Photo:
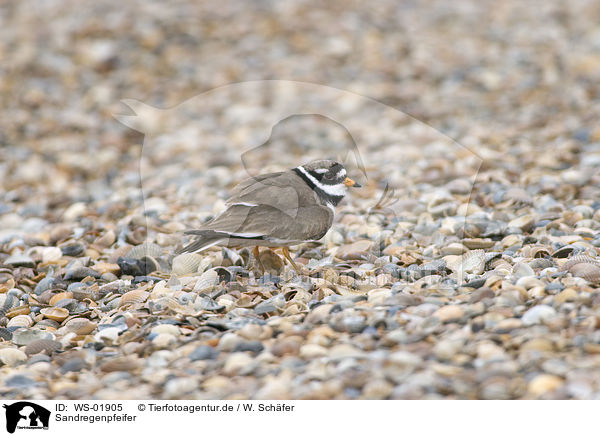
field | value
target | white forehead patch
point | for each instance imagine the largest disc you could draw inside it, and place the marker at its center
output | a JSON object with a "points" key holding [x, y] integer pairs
{"points": [[341, 174]]}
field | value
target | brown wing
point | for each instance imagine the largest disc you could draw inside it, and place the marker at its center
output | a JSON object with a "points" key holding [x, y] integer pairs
{"points": [[284, 191], [309, 223]]}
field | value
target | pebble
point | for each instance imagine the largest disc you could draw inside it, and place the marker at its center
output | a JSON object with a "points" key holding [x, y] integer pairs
{"points": [[203, 352], [544, 383], [449, 313], [538, 314]]}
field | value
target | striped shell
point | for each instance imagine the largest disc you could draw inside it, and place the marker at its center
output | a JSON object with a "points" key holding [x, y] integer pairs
{"points": [[206, 281], [58, 314], [48, 324], [470, 262], [588, 271], [47, 346], [186, 263], [21, 310], [60, 296], [145, 249], [80, 326], [133, 297], [20, 321], [5, 334], [7, 302], [579, 259], [12, 356]]}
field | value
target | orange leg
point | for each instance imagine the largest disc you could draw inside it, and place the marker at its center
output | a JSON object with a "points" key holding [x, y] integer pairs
{"points": [[257, 257], [286, 254]]}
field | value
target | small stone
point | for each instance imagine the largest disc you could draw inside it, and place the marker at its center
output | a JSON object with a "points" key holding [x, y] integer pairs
{"points": [[568, 294], [356, 250], [252, 346], [229, 341], [289, 345], [489, 350], [449, 313], [377, 389], [75, 364], [524, 223], [51, 254], [543, 384], [12, 356], [448, 348], [538, 314], [164, 340], [17, 260], [311, 351], [238, 363], [203, 352], [538, 344]]}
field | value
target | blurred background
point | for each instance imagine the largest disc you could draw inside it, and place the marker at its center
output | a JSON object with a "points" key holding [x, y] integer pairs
{"points": [[488, 74]]}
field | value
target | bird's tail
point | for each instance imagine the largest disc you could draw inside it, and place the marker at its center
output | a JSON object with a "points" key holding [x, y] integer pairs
{"points": [[206, 239]]}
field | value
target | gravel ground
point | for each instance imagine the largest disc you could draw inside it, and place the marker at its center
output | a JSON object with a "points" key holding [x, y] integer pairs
{"points": [[475, 277]]}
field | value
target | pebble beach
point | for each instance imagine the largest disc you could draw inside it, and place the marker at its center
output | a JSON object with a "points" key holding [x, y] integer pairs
{"points": [[466, 267]]}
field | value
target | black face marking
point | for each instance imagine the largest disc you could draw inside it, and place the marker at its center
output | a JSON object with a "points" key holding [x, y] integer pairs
{"points": [[323, 196], [330, 177]]}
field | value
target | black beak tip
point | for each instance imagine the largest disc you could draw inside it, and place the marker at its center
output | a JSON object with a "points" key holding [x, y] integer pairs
{"points": [[357, 185]]}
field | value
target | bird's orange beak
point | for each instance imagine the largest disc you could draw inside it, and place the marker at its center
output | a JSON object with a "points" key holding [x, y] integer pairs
{"points": [[351, 183]]}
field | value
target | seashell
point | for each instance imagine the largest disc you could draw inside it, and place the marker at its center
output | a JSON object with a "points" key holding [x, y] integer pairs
{"points": [[206, 281], [5, 334], [207, 303], [48, 324], [563, 252], [524, 223], [133, 297], [470, 262], [535, 251], [58, 314], [105, 267], [80, 326], [47, 346], [81, 293], [51, 254], [149, 264], [588, 271], [186, 263], [44, 285], [17, 260], [8, 302], [521, 269], [20, 310], [80, 273], [146, 249], [473, 243], [541, 263], [575, 260], [12, 356], [119, 252], [60, 296], [70, 304], [20, 321], [27, 335], [106, 240]]}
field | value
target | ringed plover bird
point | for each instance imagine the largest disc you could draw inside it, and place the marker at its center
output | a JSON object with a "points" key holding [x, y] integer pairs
{"points": [[277, 210]]}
